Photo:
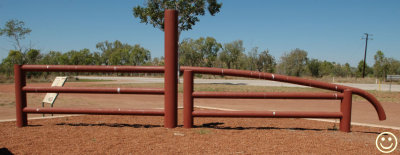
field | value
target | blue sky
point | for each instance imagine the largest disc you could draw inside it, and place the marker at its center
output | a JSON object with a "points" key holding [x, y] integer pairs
{"points": [[328, 30]]}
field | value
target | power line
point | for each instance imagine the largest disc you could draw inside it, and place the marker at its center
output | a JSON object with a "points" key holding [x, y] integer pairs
{"points": [[365, 52]]}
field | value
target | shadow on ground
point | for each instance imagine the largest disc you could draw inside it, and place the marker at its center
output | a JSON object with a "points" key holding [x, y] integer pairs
{"points": [[35, 125], [216, 125], [5, 151], [212, 125]]}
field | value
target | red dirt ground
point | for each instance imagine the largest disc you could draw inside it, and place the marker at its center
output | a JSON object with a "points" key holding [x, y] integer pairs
{"points": [[144, 135]]}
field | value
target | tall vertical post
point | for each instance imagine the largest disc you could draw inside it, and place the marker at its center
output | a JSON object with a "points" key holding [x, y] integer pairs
{"points": [[187, 99], [365, 54], [20, 97], [171, 64], [345, 108]]}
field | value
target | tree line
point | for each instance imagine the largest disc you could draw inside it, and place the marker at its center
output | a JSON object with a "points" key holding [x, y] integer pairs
{"points": [[205, 52], [202, 52]]}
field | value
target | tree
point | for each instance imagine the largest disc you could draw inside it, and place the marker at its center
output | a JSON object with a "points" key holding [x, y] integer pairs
{"points": [[97, 59], [119, 57], [266, 62], [117, 53], [368, 70], [339, 70], [326, 68], [158, 61], [107, 49], [252, 57], [394, 66], [33, 56], [189, 53], [209, 48], [381, 65], [294, 63], [200, 52], [52, 58], [73, 57], [189, 10], [348, 70], [139, 55], [314, 66], [231, 53], [15, 30], [14, 57]]}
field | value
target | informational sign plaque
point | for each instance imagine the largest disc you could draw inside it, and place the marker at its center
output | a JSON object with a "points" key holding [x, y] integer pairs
{"points": [[51, 97]]}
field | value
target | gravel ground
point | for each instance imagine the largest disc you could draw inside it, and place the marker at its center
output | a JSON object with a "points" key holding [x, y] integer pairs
{"points": [[96, 134]]}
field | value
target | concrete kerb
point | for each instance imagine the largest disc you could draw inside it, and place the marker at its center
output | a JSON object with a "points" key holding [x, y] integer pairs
{"points": [[36, 118]]}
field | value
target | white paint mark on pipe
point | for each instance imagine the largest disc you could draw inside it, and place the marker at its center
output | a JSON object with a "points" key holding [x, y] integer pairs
{"points": [[273, 77], [118, 90]]}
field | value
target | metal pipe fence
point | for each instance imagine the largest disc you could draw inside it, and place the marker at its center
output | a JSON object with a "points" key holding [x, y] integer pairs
{"points": [[344, 94]]}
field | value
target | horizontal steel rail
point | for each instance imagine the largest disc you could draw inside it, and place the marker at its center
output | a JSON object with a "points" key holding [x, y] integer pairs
{"points": [[21, 90], [267, 95], [289, 79], [95, 90], [266, 114], [85, 68], [146, 112]]}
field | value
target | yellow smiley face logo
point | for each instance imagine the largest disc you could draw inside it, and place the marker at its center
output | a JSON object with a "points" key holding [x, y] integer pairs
{"points": [[386, 142]]}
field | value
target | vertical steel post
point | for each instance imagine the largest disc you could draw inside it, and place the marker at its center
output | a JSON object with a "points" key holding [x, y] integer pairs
{"points": [[20, 97], [187, 99], [345, 108], [171, 64]]}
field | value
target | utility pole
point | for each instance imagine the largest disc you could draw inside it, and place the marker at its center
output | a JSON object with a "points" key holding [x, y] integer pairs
{"points": [[365, 52]]}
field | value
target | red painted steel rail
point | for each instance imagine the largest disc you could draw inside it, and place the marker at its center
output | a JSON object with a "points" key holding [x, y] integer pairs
{"points": [[93, 90], [86, 68], [144, 112], [267, 114], [21, 90], [267, 95], [344, 94]]}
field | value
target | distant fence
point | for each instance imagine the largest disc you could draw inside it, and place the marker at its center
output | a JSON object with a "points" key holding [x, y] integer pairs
{"points": [[392, 78]]}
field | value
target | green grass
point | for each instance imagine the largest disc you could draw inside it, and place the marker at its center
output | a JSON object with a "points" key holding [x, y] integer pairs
{"points": [[203, 131], [7, 104]]}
